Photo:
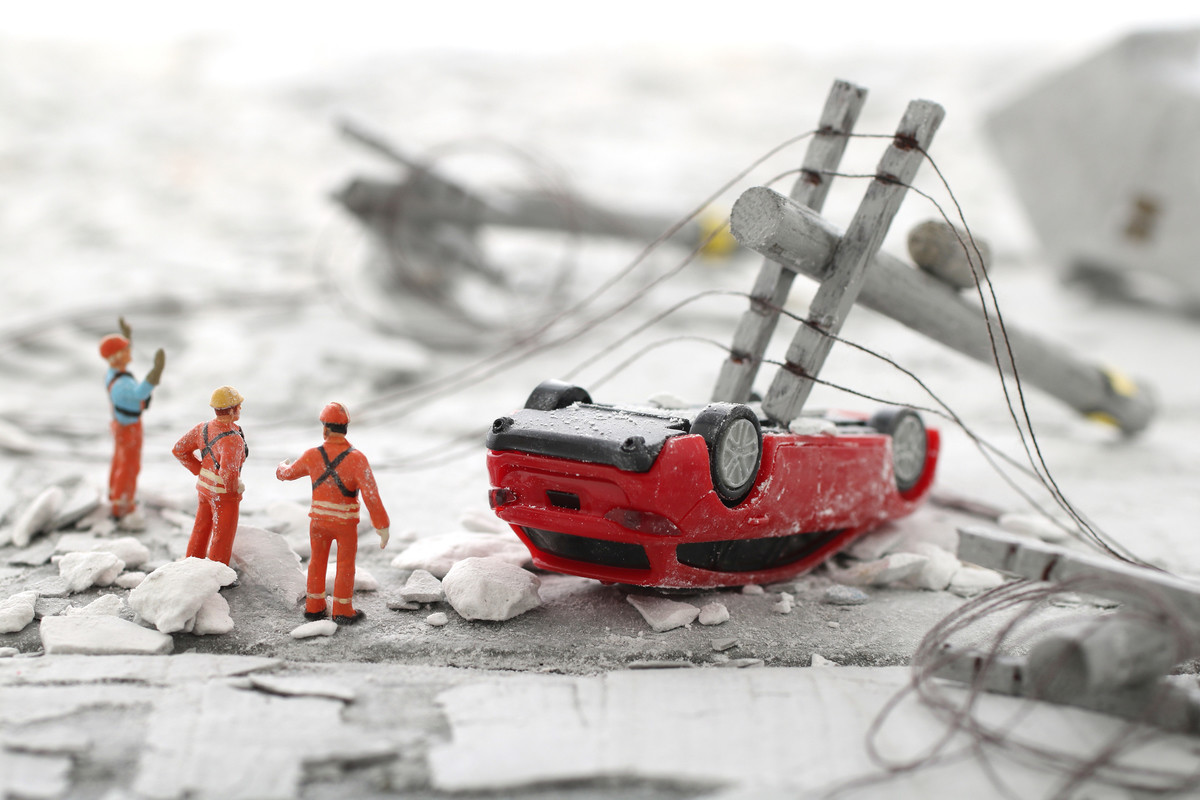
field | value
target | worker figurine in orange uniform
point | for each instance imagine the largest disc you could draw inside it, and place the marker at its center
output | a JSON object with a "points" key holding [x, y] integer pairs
{"points": [[218, 468], [129, 398], [338, 473]]}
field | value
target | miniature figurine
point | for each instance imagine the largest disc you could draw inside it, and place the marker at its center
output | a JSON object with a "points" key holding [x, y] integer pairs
{"points": [[223, 450], [339, 473], [129, 398]]}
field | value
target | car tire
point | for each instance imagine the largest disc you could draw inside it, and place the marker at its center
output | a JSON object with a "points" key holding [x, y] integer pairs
{"points": [[734, 439], [910, 444], [554, 394]]}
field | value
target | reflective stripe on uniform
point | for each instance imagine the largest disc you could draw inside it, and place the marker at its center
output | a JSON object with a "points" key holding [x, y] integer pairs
{"points": [[321, 508], [207, 479], [345, 600], [319, 596]]}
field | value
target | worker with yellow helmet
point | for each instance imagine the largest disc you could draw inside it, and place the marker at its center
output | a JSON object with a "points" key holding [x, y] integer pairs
{"points": [[222, 450]]}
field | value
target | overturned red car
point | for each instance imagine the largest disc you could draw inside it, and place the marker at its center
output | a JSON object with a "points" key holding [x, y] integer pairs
{"points": [[707, 496]]}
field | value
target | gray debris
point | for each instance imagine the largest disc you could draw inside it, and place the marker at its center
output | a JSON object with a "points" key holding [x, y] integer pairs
{"points": [[437, 619], [34, 555], [422, 587], [819, 660], [100, 635], [784, 606], [839, 595], [107, 605], [713, 614], [265, 559], [742, 663], [663, 614], [172, 595], [721, 645], [939, 567]]}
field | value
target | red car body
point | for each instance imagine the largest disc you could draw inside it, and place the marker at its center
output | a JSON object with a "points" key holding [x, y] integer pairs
{"points": [[660, 522]]}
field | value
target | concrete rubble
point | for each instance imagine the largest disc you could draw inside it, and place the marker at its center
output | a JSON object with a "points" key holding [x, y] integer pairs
{"points": [[17, 611], [490, 589], [265, 559], [172, 595], [437, 554], [84, 570], [422, 587], [101, 635], [663, 614]]}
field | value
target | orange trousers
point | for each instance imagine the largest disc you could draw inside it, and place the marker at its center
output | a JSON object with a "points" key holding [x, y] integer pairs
{"points": [[216, 525], [322, 534], [126, 464]]}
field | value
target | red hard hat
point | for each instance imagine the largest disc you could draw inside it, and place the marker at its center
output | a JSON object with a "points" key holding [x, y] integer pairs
{"points": [[112, 344], [335, 414]]}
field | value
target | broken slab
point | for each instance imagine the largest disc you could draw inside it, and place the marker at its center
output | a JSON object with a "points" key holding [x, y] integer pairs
{"points": [[490, 589], [36, 517], [83, 570], [663, 614], [422, 587], [172, 595], [437, 554], [101, 635], [106, 605], [265, 559]]}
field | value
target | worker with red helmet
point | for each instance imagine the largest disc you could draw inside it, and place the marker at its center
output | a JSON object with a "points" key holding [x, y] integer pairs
{"points": [[218, 469], [339, 473], [129, 397]]}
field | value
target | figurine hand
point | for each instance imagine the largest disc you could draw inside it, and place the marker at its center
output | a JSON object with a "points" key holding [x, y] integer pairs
{"points": [[126, 331], [383, 537], [155, 375], [287, 462], [241, 486]]}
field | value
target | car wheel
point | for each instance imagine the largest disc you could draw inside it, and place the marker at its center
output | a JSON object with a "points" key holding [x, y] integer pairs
{"points": [[909, 443], [734, 441], [554, 394]]}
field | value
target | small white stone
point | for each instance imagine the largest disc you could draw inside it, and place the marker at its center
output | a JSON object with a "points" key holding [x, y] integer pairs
{"points": [[833, 624], [320, 627], [940, 566], [753, 588], [84, 570], [422, 587], [17, 611], [819, 660], [108, 605], [970, 581], [784, 606], [839, 595], [8, 652], [490, 589], [213, 616], [364, 581], [663, 614], [713, 614], [92, 635], [437, 619], [127, 548], [130, 580]]}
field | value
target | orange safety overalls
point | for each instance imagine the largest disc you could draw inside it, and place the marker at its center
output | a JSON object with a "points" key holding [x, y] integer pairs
{"points": [[127, 442], [223, 450], [339, 473]]}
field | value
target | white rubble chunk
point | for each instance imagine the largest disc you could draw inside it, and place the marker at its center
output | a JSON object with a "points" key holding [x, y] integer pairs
{"points": [[490, 589], [265, 559], [130, 580], [753, 588], [784, 606], [1033, 525], [812, 426], [126, 548], [819, 660], [320, 627], [422, 587], [364, 581], [885, 571], [437, 554], [213, 617], [840, 595], [172, 595], [8, 652], [101, 635], [971, 580], [17, 611], [106, 605], [663, 614], [81, 500], [940, 566], [34, 555], [84, 570], [36, 517], [713, 614], [480, 521], [437, 619]]}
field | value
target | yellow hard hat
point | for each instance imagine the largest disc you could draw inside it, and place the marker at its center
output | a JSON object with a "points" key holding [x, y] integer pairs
{"points": [[225, 397]]}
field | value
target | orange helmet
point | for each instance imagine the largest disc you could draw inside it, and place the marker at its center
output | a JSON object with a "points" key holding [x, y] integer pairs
{"points": [[112, 344], [335, 414]]}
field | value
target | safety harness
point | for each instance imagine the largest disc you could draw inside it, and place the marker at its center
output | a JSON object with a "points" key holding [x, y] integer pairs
{"points": [[331, 471], [215, 483], [336, 511]]}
